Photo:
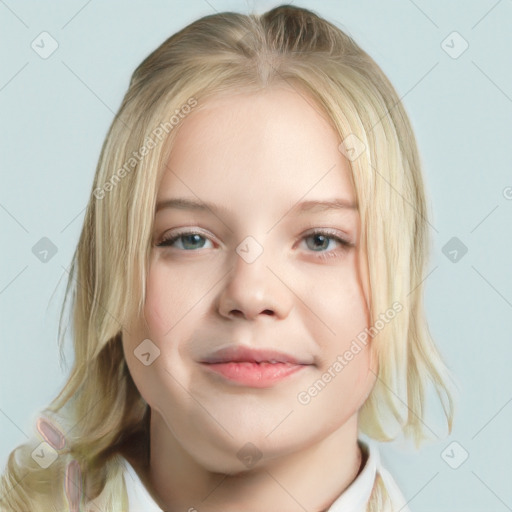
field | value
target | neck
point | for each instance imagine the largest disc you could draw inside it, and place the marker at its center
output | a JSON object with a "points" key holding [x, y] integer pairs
{"points": [[309, 479]]}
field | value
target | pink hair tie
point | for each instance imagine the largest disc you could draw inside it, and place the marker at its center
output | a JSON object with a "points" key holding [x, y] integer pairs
{"points": [[51, 434], [73, 485]]}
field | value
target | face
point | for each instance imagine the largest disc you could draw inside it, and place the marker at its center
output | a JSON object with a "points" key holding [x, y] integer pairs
{"points": [[261, 273]]}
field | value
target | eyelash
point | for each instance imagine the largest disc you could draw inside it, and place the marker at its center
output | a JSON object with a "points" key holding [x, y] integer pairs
{"points": [[345, 244]]}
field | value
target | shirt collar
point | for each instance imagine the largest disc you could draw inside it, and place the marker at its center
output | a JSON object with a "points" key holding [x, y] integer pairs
{"points": [[356, 496]]}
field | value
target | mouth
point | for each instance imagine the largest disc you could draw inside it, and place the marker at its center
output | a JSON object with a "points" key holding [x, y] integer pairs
{"points": [[255, 375], [241, 354], [253, 368]]}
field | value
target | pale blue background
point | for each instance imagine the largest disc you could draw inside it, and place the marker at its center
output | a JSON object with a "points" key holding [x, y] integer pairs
{"points": [[55, 114]]}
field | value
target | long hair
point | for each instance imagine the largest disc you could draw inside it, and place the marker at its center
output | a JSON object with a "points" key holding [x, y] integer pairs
{"points": [[99, 414]]}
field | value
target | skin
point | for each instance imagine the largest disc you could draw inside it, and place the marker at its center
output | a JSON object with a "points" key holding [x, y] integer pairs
{"points": [[256, 155]]}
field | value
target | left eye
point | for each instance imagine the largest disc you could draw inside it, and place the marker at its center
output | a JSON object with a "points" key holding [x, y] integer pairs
{"points": [[322, 239]]}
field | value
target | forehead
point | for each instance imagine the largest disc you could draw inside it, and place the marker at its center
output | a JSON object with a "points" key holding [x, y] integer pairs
{"points": [[277, 139]]}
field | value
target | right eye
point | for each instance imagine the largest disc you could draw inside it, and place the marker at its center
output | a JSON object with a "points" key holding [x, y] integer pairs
{"points": [[190, 240]]}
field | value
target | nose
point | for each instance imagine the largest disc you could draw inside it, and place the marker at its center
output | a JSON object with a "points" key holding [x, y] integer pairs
{"points": [[253, 289]]}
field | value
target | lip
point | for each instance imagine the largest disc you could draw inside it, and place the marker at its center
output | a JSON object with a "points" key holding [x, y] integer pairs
{"points": [[254, 375], [257, 368], [242, 354]]}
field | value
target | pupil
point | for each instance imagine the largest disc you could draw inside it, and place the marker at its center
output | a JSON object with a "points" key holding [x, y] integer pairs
{"points": [[323, 240], [194, 238]]}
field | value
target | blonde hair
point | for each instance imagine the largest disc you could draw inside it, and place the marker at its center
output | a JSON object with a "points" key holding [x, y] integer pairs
{"points": [[100, 409]]}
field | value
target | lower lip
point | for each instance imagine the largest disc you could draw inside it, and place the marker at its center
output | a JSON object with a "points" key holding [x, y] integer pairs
{"points": [[256, 375]]}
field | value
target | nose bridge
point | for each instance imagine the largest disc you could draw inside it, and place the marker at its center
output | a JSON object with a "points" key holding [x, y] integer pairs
{"points": [[251, 250], [250, 264], [252, 288]]}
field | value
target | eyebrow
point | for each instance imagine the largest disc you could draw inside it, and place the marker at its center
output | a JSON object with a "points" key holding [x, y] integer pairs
{"points": [[182, 203]]}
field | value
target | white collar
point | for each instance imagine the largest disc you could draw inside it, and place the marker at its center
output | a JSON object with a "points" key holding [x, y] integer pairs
{"points": [[353, 499]]}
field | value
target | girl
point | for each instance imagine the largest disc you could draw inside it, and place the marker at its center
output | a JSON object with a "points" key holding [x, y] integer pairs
{"points": [[247, 292]]}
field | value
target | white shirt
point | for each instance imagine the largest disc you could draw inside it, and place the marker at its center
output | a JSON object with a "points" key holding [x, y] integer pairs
{"points": [[353, 499]]}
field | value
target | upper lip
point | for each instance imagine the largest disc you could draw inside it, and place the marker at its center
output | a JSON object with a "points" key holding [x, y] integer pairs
{"points": [[238, 354]]}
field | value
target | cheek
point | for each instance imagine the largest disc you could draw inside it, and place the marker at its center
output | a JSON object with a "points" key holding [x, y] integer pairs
{"points": [[345, 345], [341, 310], [157, 321], [174, 296], [154, 325], [167, 300], [343, 382]]}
